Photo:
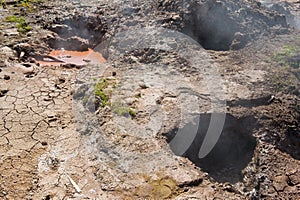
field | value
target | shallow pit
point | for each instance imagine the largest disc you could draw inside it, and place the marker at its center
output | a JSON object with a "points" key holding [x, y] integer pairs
{"points": [[74, 42], [231, 154]]}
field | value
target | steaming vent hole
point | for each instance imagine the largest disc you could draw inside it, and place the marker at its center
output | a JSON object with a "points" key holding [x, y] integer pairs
{"points": [[213, 28], [231, 154], [77, 33], [222, 26]]}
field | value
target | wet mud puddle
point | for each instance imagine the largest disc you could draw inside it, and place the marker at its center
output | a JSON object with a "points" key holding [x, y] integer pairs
{"points": [[58, 57]]}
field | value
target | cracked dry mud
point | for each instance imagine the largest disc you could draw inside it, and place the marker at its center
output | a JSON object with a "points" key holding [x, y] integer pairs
{"points": [[56, 142], [37, 117], [34, 111]]}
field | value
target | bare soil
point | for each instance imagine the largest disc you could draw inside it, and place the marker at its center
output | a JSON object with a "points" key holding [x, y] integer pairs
{"points": [[58, 140]]}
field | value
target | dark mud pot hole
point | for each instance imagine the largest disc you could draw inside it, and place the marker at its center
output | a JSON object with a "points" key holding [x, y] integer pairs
{"points": [[231, 154], [212, 28], [77, 33]]}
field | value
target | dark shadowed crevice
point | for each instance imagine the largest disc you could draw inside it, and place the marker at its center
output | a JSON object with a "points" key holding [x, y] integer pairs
{"points": [[291, 143], [250, 103], [232, 153]]}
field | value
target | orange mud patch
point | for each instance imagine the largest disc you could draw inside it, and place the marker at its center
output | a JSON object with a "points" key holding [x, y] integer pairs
{"points": [[58, 57]]}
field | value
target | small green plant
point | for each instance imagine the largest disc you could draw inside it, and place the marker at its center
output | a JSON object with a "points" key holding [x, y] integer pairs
{"points": [[289, 51], [103, 90], [121, 109], [12, 18], [132, 112], [286, 55], [28, 3], [283, 82], [25, 4], [22, 25], [99, 91], [21, 3]]}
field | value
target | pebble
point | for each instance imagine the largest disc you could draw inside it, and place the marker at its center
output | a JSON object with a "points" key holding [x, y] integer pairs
{"points": [[280, 182], [11, 32], [7, 51]]}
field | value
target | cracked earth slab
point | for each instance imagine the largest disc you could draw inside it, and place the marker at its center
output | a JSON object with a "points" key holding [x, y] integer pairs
{"points": [[33, 110]]}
